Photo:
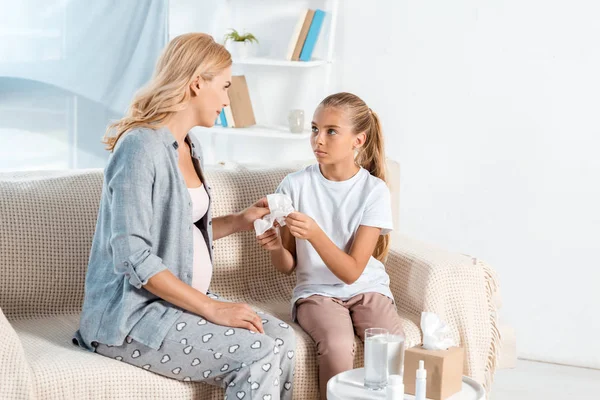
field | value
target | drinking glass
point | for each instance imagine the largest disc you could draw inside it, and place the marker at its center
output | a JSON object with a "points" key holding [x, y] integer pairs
{"points": [[395, 354], [376, 360]]}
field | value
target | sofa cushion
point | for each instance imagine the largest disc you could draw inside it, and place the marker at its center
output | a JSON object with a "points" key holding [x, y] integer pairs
{"points": [[62, 370], [47, 221]]}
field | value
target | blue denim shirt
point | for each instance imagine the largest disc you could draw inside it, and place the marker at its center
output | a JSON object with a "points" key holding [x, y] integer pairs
{"points": [[144, 226]]}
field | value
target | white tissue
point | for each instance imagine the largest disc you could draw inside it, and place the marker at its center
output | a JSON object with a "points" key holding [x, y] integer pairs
{"points": [[280, 206], [435, 332]]}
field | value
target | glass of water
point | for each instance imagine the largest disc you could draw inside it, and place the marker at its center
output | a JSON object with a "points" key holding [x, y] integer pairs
{"points": [[396, 354], [376, 359]]}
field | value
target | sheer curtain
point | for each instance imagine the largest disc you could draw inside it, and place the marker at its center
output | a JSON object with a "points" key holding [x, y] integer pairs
{"points": [[69, 66]]}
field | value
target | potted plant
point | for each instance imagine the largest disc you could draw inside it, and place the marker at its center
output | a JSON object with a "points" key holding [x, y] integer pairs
{"points": [[239, 45]]}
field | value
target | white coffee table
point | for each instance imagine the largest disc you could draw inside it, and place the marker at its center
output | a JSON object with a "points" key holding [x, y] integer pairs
{"points": [[349, 385]]}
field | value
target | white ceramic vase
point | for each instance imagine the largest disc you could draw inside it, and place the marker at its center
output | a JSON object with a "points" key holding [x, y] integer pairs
{"points": [[239, 50]]}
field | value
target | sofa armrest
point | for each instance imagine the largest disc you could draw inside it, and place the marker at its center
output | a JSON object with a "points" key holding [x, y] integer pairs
{"points": [[459, 288], [15, 375]]}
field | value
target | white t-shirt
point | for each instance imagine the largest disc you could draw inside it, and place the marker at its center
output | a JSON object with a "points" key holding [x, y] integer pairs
{"points": [[339, 208]]}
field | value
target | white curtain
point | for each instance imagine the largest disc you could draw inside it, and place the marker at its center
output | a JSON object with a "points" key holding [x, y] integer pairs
{"points": [[103, 50]]}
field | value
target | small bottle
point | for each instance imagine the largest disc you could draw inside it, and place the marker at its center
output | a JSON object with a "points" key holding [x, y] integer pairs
{"points": [[421, 382], [395, 388]]}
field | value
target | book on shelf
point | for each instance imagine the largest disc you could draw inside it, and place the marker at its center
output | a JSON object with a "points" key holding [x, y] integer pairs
{"points": [[240, 104], [221, 120], [229, 120], [299, 35], [312, 36]]}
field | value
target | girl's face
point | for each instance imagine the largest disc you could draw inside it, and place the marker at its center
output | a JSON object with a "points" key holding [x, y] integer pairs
{"points": [[333, 139], [209, 97]]}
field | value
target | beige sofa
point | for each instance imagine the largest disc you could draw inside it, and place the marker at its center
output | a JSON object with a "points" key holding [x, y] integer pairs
{"points": [[47, 221]]}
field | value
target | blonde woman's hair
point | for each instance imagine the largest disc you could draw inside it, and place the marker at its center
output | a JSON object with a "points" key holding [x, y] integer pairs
{"points": [[185, 58], [371, 156]]}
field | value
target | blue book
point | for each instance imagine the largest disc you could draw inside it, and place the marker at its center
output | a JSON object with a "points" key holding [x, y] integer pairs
{"points": [[312, 36], [223, 119]]}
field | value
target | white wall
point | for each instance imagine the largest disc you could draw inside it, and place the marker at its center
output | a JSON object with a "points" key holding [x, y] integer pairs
{"points": [[491, 108]]}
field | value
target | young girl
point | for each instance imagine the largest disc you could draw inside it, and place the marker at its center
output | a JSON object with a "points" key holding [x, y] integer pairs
{"points": [[339, 235]]}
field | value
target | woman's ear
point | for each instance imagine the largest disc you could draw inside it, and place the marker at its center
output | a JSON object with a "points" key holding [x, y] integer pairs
{"points": [[359, 140], [196, 85]]}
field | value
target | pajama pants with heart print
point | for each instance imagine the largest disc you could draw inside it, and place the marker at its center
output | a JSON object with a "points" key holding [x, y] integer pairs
{"points": [[248, 365]]}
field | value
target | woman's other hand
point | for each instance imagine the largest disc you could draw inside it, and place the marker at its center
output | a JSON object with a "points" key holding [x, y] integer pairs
{"points": [[235, 315]]}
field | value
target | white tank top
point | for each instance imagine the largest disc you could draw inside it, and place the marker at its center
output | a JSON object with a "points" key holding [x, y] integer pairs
{"points": [[202, 267]]}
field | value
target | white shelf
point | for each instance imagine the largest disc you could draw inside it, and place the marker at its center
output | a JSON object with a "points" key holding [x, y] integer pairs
{"points": [[274, 132], [274, 62]]}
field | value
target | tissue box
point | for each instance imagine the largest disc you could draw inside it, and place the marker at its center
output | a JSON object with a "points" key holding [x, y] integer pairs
{"points": [[444, 371]]}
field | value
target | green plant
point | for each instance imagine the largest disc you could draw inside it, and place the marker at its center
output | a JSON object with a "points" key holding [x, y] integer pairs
{"points": [[235, 36]]}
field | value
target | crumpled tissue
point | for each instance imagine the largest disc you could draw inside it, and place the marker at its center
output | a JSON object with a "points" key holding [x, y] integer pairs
{"points": [[435, 332], [280, 206]]}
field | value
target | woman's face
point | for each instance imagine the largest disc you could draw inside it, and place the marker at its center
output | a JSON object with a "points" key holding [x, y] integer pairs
{"points": [[209, 97]]}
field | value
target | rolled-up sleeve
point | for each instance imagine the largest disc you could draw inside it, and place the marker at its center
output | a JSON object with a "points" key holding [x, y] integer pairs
{"points": [[129, 179]]}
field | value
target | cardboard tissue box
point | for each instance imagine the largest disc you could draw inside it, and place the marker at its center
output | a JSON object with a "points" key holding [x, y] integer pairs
{"points": [[444, 371], [443, 360]]}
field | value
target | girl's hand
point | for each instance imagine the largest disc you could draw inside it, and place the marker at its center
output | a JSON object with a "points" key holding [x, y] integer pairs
{"points": [[270, 240], [235, 315], [302, 226], [246, 218]]}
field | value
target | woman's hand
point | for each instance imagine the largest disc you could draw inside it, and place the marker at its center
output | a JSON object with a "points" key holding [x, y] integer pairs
{"points": [[302, 226], [246, 218], [235, 315], [170, 288], [270, 240]]}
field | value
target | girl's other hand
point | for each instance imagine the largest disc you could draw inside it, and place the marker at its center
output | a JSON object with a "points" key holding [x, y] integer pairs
{"points": [[302, 226]]}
